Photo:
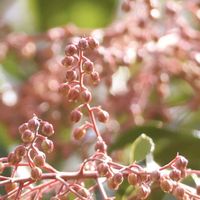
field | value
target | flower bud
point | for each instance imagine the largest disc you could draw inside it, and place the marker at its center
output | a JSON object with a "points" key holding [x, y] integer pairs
{"points": [[47, 129], [86, 96], [92, 43], [175, 174], [95, 77], [33, 124], [68, 61], [73, 95], [133, 179], [166, 185], [13, 159], [101, 146], [102, 169], [75, 116], [111, 184], [179, 192], [83, 44], [27, 136], [155, 175], [71, 75], [79, 133], [88, 66], [23, 127], [20, 151], [181, 162], [64, 88], [36, 173], [70, 50], [118, 178], [39, 160], [102, 116], [47, 146]]}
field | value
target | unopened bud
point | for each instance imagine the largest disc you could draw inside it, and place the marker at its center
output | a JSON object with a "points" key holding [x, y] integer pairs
{"points": [[47, 146], [79, 133], [75, 116], [101, 146], [111, 184], [36, 173], [118, 178], [102, 116], [70, 49], [102, 169], [166, 185], [86, 96], [95, 77], [23, 127], [175, 174], [133, 179], [33, 124], [83, 44], [88, 66], [27, 136], [68, 61], [73, 95], [47, 129], [64, 88], [179, 192], [20, 151], [92, 43], [39, 160], [71, 75], [181, 162]]}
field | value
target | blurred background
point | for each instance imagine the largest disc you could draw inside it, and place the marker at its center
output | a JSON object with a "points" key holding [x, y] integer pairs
{"points": [[149, 62]]}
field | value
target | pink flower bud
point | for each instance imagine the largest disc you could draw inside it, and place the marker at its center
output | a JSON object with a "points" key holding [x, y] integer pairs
{"points": [[102, 116], [83, 44], [70, 50], [68, 61], [95, 78], [36, 173], [47, 146], [73, 95], [27, 136], [79, 133], [92, 43], [71, 75], [75, 116], [88, 66], [47, 129], [86, 96], [33, 124]]}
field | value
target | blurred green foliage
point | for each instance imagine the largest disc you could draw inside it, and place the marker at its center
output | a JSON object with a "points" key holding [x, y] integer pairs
{"points": [[83, 13]]}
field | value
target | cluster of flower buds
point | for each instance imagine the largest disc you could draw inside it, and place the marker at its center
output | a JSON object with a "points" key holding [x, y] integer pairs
{"points": [[99, 166], [80, 68], [32, 153]]}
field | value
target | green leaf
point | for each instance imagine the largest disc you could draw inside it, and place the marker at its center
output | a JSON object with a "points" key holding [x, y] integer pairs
{"points": [[85, 13], [140, 148], [167, 143]]}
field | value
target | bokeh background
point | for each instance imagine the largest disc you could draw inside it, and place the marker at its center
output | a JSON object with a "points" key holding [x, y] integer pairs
{"points": [[149, 64]]}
